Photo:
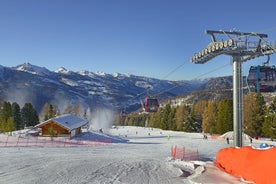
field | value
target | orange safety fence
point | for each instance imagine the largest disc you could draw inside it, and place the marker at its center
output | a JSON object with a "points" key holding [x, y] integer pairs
{"points": [[251, 164], [29, 141], [183, 153]]}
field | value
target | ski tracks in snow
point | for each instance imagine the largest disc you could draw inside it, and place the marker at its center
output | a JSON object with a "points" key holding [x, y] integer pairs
{"points": [[131, 171]]}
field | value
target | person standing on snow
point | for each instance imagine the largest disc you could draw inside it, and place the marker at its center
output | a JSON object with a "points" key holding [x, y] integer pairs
{"points": [[227, 140]]}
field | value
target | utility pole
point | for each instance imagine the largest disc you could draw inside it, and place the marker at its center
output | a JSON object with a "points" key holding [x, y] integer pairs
{"points": [[241, 47]]}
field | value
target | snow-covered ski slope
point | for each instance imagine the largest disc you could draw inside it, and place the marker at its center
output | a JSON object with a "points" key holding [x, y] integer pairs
{"points": [[137, 155]]}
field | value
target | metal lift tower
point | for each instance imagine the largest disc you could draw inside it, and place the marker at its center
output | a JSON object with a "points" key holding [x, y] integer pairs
{"points": [[241, 47]]}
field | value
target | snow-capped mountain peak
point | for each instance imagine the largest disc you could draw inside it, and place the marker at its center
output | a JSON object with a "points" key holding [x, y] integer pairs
{"points": [[115, 74], [100, 73], [62, 70], [119, 75], [36, 70], [86, 73], [90, 89]]}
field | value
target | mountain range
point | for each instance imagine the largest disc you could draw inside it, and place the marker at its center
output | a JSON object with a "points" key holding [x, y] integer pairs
{"points": [[38, 85]]}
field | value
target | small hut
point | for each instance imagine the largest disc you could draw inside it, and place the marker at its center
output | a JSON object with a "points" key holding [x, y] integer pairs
{"points": [[64, 125]]}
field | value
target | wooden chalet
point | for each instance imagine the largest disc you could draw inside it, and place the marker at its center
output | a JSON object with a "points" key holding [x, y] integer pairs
{"points": [[64, 125]]}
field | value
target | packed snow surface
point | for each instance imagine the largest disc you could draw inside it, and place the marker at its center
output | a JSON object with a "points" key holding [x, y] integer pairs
{"points": [[136, 155]]}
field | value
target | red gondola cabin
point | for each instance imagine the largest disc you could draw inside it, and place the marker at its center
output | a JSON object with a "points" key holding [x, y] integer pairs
{"points": [[150, 104]]}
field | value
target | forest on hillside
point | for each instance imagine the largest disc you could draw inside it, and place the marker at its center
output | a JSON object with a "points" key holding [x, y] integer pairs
{"points": [[209, 116]]}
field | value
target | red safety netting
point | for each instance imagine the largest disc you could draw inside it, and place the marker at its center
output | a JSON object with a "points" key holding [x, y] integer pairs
{"points": [[183, 153], [29, 141]]}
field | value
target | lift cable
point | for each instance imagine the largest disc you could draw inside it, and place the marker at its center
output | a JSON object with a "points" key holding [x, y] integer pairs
{"points": [[174, 70], [166, 76], [198, 77], [181, 65]]}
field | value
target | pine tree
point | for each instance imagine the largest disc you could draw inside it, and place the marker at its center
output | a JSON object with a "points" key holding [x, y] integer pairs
{"points": [[209, 118], [198, 109], [3, 124], [269, 125], [51, 112], [166, 119], [29, 115], [6, 112], [194, 125], [171, 119], [180, 116], [5, 117], [254, 108], [225, 116], [16, 114], [130, 121], [156, 119], [10, 125], [48, 111], [160, 121], [185, 119]]}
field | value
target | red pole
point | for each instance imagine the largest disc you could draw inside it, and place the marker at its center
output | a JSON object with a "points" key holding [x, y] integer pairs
{"points": [[174, 152], [183, 153]]}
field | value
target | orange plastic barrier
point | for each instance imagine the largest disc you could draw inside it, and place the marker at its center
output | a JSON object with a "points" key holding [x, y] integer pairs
{"points": [[251, 164]]}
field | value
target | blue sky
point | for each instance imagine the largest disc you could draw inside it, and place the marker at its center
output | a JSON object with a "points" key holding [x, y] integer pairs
{"points": [[141, 37]]}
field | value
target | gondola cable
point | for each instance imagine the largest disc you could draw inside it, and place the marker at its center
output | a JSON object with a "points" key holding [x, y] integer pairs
{"points": [[150, 99], [151, 103], [172, 71], [198, 77], [178, 67]]}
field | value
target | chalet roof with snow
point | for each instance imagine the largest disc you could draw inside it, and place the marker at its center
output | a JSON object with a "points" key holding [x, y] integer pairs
{"points": [[67, 121]]}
